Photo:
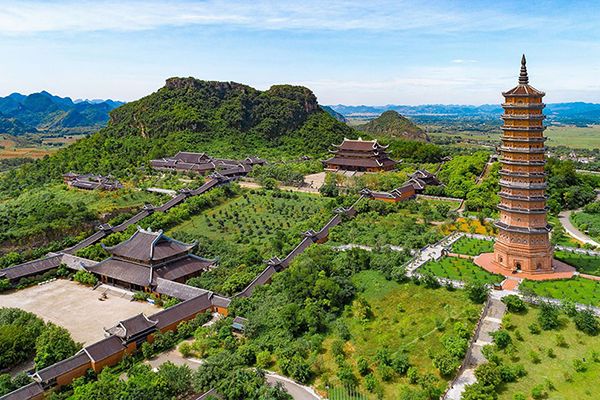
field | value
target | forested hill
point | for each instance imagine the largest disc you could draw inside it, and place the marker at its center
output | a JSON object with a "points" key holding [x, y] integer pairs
{"points": [[220, 118], [390, 124]]}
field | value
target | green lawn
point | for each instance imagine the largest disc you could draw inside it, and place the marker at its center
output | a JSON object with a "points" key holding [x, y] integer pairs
{"points": [[460, 269], [583, 262], [404, 316], [579, 290], [472, 247], [264, 220], [559, 370]]}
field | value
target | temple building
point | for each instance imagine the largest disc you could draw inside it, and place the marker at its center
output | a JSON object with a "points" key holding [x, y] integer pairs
{"points": [[139, 262], [360, 155], [523, 242], [91, 181], [201, 163]]}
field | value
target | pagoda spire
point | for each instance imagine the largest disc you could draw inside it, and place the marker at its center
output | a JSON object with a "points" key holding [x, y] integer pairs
{"points": [[523, 77]]}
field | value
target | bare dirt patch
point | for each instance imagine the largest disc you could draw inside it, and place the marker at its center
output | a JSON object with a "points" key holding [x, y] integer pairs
{"points": [[75, 307]]}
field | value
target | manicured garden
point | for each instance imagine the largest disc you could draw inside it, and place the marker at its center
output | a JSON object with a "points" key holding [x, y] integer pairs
{"points": [[388, 327], [403, 224], [270, 221], [543, 353], [472, 247], [459, 269], [579, 290], [584, 263]]}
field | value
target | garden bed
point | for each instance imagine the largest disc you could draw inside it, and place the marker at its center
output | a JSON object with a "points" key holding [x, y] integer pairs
{"points": [[579, 290], [472, 247], [460, 269]]}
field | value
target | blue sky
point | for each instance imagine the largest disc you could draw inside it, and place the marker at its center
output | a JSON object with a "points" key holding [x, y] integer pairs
{"points": [[350, 52]]}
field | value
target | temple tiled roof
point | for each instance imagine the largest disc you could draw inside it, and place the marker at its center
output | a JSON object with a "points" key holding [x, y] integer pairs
{"points": [[183, 267], [149, 246], [124, 271], [360, 145], [62, 367], [133, 326], [104, 348], [182, 311], [24, 393]]}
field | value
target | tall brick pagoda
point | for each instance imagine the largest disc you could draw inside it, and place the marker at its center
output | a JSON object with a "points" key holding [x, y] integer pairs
{"points": [[523, 242]]}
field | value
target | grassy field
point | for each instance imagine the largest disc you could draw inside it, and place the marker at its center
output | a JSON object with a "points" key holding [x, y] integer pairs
{"points": [[558, 369], [579, 290], [9, 148], [574, 137], [469, 225], [404, 317], [568, 136], [272, 224], [460, 269], [472, 247], [583, 262]]}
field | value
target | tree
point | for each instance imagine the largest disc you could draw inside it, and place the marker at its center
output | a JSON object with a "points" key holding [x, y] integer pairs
{"points": [[514, 303], [488, 374], [477, 292], [502, 338], [53, 345], [548, 316], [587, 322], [445, 363], [178, 379], [479, 391]]}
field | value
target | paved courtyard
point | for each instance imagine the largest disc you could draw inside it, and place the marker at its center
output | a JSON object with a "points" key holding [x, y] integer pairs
{"points": [[75, 307]]}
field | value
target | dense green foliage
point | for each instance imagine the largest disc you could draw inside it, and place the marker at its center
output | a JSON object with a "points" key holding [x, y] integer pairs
{"points": [[18, 333], [567, 189], [24, 336], [223, 119], [53, 345]]}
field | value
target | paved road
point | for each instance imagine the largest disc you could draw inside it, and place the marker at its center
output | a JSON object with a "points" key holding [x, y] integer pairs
{"points": [[298, 392], [572, 229]]}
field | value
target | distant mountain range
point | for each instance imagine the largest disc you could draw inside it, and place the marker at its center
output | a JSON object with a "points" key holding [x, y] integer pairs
{"points": [[577, 113], [44, 112]]}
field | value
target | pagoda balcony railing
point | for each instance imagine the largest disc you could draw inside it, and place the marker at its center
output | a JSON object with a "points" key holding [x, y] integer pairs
{"points": [[522, 162], [523, 117], [524, 106], [523, 128], [524, 139], [522, 198], [504, 207], [533, 150], [520, 185], [517, 174], [521, 229]]}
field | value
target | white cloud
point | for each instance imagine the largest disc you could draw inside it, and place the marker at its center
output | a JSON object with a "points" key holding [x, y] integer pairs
{"points": [[461, 61], [31, 16]]}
